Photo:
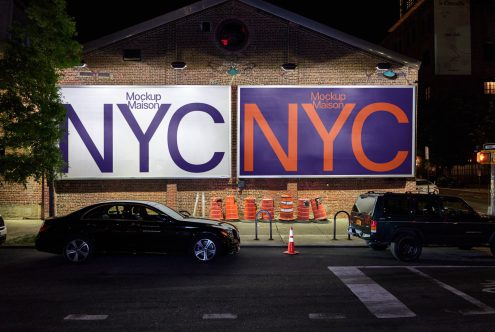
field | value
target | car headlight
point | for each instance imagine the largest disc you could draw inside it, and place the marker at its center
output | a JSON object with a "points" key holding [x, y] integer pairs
{"points": [[225, 233]]}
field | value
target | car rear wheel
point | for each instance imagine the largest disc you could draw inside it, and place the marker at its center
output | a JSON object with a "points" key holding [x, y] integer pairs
{"points": [[205, 248], [78, 250], [406, 248]]}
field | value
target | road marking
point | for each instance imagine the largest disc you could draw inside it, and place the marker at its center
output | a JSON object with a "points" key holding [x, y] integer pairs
{"points": [[220, 316], [418, 266], [85, 317], [326, 316], [377, 299], [485, 309]]}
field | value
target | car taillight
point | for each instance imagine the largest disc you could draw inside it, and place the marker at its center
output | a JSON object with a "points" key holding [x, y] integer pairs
{"points": [[373, 226]]}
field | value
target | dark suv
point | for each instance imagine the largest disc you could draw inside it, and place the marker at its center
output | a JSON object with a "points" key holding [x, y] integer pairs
{"points": [[407, 222]]}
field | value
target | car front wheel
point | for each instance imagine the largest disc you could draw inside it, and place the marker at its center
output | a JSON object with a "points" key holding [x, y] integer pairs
{"points": [[205, 248], [406, 248], [78, 250]]}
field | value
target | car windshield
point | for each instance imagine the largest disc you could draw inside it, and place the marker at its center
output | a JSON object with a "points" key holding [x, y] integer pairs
{"points": [[169, 211], [423, 182]]}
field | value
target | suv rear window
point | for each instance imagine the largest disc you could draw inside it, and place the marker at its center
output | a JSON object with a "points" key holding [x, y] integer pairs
{"points": [[365, 204]]}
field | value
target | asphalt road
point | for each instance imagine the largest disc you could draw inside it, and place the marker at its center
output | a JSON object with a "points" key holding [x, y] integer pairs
{"points": [[261, 289]]}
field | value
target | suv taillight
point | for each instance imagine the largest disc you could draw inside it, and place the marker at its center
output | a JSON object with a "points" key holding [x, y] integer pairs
{"points": [[373, 226]]}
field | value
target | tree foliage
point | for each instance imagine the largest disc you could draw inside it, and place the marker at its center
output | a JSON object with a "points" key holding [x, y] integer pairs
{"points": [[30, 108]]}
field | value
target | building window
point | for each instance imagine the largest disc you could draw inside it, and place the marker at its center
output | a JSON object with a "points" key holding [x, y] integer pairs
{"points": [[489, 88], [232, 35], [132, 55], [489, 51], [428, 93], [425, 59], [205, 26]]}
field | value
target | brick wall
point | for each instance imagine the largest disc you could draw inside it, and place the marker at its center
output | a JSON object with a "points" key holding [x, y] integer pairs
{"points": [[17, 201], [272, 42]]}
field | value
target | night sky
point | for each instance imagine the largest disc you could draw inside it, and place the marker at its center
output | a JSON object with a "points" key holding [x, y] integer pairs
{"points": [[368, 20]]}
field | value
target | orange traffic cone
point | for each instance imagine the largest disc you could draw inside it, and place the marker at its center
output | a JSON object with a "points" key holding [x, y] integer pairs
{"points": [[290, 247]]}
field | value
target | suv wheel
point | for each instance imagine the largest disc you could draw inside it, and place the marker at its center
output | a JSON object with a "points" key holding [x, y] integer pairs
{"points": [[406, 248]]}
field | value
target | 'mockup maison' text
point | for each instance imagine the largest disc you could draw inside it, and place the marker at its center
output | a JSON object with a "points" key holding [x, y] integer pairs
{"points": [[143, 101], [328, 100]]}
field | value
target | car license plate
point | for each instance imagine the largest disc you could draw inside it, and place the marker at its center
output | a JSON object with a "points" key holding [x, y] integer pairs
{"points": [[358, 222]]}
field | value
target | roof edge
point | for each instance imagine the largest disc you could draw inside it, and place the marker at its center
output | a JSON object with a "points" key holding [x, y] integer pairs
{"points": [[150, 24], [262, 5], [334, 33]]}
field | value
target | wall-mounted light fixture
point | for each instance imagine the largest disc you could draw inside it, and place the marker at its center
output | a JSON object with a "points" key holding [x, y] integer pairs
{"points": [[232, 71], [289, 66], [383, 66], [386, 69], [390, 74], [178, 65], [82, 64]]}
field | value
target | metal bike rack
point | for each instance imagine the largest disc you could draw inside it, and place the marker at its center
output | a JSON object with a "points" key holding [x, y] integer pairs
{"points": [[256, 224], [335, 224]]}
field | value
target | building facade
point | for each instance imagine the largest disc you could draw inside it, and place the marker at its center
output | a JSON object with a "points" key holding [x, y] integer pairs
{"points": [[455, 41], [247, 48]]}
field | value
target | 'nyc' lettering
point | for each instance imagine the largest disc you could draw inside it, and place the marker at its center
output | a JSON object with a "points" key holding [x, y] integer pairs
{"points": [[105, 161], [289, 159]]}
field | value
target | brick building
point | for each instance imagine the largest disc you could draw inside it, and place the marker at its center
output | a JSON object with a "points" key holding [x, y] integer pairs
{"points": [[233, 43]]}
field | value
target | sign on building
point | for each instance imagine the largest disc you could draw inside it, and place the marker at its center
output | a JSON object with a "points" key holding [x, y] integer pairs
{"points": [[147, 132], [340, 131], [452, 37]]}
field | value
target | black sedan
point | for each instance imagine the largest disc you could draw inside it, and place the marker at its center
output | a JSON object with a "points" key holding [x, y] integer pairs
{"points": [[135, 226]]}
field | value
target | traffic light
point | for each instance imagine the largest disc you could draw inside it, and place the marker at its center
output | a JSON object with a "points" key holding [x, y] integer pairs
{"points": [[484, 157]]}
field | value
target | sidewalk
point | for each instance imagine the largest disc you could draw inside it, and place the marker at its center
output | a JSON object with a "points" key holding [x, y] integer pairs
{"points": [[21, 233]]}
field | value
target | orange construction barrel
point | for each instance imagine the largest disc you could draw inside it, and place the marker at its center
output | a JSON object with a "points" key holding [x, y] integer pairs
{"points": [[249, 208], [267, 204], [319, 211], [231, 209], [286, 208], [216, 208], [303, 209]]}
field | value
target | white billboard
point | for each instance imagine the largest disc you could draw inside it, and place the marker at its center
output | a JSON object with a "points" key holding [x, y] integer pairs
{"points": [[146, 132]]}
